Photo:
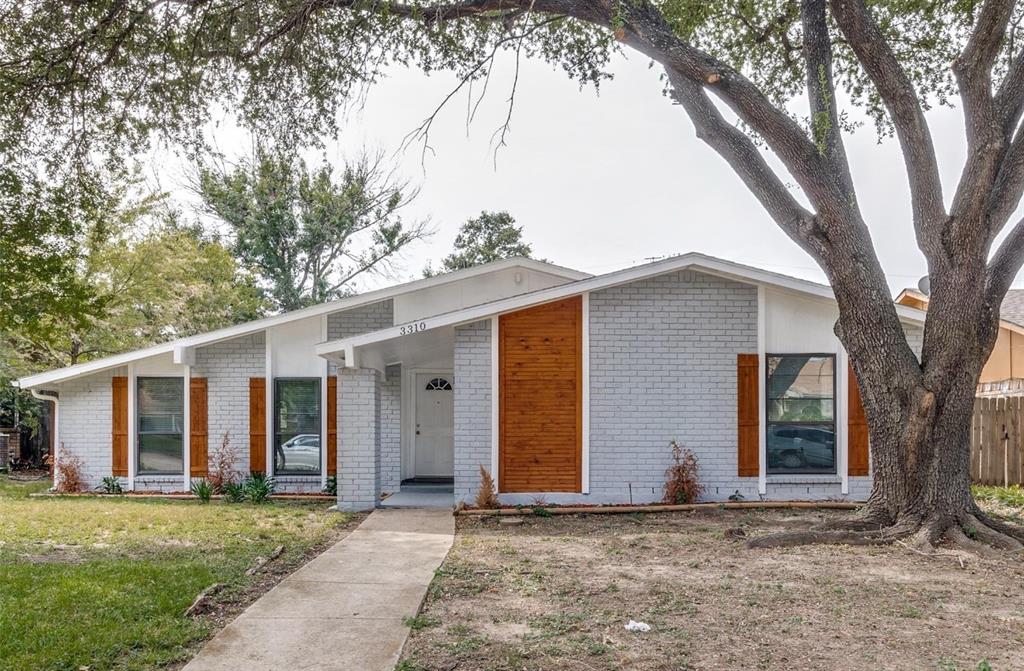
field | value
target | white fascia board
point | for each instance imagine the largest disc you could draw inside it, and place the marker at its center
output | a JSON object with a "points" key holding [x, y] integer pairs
{"points": [[183, 344], [692, 261]]}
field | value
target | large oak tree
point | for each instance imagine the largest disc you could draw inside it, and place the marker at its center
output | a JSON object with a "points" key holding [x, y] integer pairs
{"points": [[79, 80]]}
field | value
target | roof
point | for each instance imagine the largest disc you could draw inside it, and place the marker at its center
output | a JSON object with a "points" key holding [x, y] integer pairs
{"points": [[1011, 312], [690, 261], [347, 303]]}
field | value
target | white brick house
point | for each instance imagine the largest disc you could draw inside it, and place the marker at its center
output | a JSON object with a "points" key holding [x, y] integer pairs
{"points": [[560, 384]]}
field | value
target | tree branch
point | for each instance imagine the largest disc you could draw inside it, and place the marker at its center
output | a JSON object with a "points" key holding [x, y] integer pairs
{"points": [[1005, 264], [897, 92]]}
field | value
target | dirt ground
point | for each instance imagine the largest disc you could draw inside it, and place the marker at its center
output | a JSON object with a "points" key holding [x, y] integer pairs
{"points": [[557, 592]]}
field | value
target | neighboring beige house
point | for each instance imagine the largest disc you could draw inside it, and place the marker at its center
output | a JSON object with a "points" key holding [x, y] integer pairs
{"points": [[1007, 359]]}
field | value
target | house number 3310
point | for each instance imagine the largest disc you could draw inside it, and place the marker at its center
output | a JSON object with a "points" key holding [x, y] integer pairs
{"points": [[409, 329]]}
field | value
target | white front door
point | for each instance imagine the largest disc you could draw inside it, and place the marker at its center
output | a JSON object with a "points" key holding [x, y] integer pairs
{"points": [[435, 421]]}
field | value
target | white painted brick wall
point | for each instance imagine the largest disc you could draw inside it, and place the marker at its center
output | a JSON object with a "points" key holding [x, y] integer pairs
{"points": [[86, 422], [472, 406], [227, 367], [391, 429], [359, 458], [360, 320]]}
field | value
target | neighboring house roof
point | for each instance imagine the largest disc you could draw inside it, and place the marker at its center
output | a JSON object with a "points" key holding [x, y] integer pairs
{"points": [[347, 303], [1011, 312], [690, 261]]}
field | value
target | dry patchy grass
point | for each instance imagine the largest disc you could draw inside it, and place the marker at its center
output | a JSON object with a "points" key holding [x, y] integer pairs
{"points": [[556, 593]]}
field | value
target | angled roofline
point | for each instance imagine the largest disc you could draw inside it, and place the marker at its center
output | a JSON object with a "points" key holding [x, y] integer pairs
{"points": [[914, 293], [247, 328], [690, 261]]}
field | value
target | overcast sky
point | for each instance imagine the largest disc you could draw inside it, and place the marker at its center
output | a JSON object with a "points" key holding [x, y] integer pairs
{"points": [[602, 181]]}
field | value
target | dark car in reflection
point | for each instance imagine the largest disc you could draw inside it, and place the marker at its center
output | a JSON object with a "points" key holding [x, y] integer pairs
{"points": [[801, 449]]}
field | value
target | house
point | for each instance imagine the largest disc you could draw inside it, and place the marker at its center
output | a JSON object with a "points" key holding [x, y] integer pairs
{"points": [[563, 385], [1006, 362]]}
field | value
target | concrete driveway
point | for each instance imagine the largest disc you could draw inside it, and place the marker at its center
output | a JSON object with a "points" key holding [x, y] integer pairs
{"points": [[344, 609]]}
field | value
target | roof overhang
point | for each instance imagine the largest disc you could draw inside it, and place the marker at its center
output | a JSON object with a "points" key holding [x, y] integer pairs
{"points": [[183, 349], [348, 349]]}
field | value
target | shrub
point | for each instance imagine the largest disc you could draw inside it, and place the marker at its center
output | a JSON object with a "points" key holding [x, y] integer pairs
{"points": [[332, 486], [70, 472], [486, 496], [258, 488], [234, 492], [222, 465], [681, 482], [202, 490], [111, 485]]}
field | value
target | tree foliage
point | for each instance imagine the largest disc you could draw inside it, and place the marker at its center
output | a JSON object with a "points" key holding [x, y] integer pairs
{"points": [[306, 232], [489, 237]]}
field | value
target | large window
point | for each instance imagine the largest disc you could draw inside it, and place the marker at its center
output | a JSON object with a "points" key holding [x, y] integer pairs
{"points": [[801, 413], [160, 419], [297, 426]]}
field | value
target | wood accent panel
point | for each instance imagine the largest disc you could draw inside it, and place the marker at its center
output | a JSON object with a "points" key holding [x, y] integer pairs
{"points": [[198, 418], [257, 425], [856, 429], [540, 388], [332, 425], [119, 424], [748, 415]]}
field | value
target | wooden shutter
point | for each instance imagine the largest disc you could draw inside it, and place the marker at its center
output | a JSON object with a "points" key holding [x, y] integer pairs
{"points": [[119, 424], [332, 425], [540, 445], [198, 431], [748, 406], [257, 425], [856, 429]]}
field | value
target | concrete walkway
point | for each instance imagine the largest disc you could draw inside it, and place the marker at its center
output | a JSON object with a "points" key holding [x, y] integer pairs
{"points": [[344, 609]]}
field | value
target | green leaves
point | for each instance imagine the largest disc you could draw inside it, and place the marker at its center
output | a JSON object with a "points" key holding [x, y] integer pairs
{"points": [[489, 237], [307, 232]]}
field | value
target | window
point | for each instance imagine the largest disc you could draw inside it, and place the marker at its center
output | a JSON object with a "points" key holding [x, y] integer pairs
{"points": [[160, 419], [801, 413], [439, 384], [297, 426]]}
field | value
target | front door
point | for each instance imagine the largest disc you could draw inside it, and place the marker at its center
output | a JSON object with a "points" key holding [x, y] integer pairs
{"points": [[435, 421]]}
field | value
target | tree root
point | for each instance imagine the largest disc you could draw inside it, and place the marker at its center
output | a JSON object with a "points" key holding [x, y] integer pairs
{"points": [[1014, 531], [977, 533]]}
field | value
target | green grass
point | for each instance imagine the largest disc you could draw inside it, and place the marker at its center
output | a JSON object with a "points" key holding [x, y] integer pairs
{"points": [[1012, 496], [104, 583]]}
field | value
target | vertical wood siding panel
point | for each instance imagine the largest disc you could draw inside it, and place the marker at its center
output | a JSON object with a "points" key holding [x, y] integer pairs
{"points": [[332, 425], [540, 398], [857, 429], [119, 424], [198, 429], [747, 415], [257, 425]]}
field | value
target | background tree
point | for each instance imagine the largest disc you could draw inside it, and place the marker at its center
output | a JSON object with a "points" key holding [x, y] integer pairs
{"points": [[77, 77], [489, 237], [307, 233]]}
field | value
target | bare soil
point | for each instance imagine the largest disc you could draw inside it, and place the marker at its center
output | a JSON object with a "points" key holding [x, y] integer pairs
{"points": [[556, 593]]}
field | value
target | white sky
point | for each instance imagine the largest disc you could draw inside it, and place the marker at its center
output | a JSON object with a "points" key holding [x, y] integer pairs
{"points": [[604, 181]]}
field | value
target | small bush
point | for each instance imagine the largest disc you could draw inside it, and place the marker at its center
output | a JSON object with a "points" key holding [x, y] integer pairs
{"points": [[332, 486], [222, 465], [70, 472], [202, 490], [681, 482], [486, 496], [234, 492], [258, 487], [111, 485]]}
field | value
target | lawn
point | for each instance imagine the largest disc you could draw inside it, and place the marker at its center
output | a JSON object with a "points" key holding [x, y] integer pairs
{"points": [[557, 592], [103, 583]]}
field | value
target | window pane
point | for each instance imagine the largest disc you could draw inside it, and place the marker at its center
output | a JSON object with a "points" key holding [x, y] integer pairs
{"points": [[800, 388], [160, 453], [297, 415], [801, 448], [161, 404]]}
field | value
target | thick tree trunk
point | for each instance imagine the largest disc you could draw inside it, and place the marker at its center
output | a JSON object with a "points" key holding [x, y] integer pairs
{"points": [[919, 419]]}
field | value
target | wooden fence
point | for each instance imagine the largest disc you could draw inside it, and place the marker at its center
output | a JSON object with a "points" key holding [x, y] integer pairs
{"points": [[997, 455]]}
